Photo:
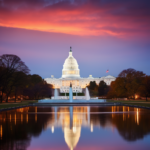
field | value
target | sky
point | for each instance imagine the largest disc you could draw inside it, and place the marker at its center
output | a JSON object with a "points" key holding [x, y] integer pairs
{"points": [[104, 34]]}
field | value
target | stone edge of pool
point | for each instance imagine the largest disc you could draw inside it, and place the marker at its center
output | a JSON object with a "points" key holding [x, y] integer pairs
{"points": [[75, 104]]}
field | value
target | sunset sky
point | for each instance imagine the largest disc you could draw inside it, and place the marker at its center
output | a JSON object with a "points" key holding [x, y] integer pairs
{"points": [[104, 34]]}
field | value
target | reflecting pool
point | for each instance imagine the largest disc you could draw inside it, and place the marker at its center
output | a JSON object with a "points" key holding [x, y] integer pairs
{"points": [[75, 127]]}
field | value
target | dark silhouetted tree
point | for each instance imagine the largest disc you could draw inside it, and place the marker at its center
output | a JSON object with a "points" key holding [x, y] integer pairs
{"points": [[93, 88], [127, 84], [102, 89], [144, 89], [10, 64]]}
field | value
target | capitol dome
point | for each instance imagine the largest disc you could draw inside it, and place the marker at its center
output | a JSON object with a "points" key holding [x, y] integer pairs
{"points": [[70, 67]]}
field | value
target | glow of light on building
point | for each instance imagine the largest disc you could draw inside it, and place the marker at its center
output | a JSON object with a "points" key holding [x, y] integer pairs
{"points": [[52, 129], [1, 132], [137, 114], [70, 72], [91, 127]]}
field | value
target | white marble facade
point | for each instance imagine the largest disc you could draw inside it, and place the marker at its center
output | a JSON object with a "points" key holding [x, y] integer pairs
{"points": [[71, 74]]}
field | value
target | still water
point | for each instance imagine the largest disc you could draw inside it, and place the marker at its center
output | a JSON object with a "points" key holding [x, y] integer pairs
{"points": [[78, 128]]}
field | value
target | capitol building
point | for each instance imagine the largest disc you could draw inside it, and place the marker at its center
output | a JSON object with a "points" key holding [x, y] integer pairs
{"points": [[71, 74]]}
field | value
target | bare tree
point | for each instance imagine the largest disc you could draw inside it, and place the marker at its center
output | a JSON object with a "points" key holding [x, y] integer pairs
{"points": [[9, 65]]}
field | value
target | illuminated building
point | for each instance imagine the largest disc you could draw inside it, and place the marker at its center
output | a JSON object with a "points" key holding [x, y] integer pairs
{"points": [[71, 74]]}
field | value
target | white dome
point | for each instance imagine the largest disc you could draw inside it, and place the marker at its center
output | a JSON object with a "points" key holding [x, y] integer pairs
{"points": [[70, 67]]}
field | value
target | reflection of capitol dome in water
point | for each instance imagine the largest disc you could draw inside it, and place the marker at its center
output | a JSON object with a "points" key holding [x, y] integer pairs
{"points": [[70, 67], [72, 136]]}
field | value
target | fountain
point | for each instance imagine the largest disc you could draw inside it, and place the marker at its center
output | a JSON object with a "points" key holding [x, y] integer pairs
{"points": [[56, 94], [70, 93], [87, 95], [58, 100]]}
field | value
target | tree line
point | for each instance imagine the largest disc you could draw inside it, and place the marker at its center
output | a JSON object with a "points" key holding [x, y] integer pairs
{"points": [[128, 84], [99, 90], [15, 80]]}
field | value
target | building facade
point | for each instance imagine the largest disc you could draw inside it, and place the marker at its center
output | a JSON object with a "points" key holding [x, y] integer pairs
{"points": [[71, 74]]}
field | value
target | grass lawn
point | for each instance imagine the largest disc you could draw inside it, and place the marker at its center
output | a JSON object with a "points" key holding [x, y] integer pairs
{"points": [[17, 104]]}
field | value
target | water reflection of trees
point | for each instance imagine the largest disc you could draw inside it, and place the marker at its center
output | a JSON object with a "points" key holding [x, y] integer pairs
{"points": [[131, 126], [18, 126], [129, 129]]}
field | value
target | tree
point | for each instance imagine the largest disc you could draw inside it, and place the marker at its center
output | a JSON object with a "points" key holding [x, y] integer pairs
{"points": [[144, 89], [117, 89], [10, 64], [102, 88], [127, 84], [20, 80], [37, 88], [35, 79], [132, 81], [15, 80], [93, 88]]}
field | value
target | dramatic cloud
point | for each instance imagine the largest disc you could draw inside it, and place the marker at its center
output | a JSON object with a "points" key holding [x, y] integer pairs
{"points": [[79, 17]]}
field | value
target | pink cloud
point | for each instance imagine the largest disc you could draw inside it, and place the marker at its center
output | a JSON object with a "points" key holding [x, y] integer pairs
{"points": [[82, 19]]}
